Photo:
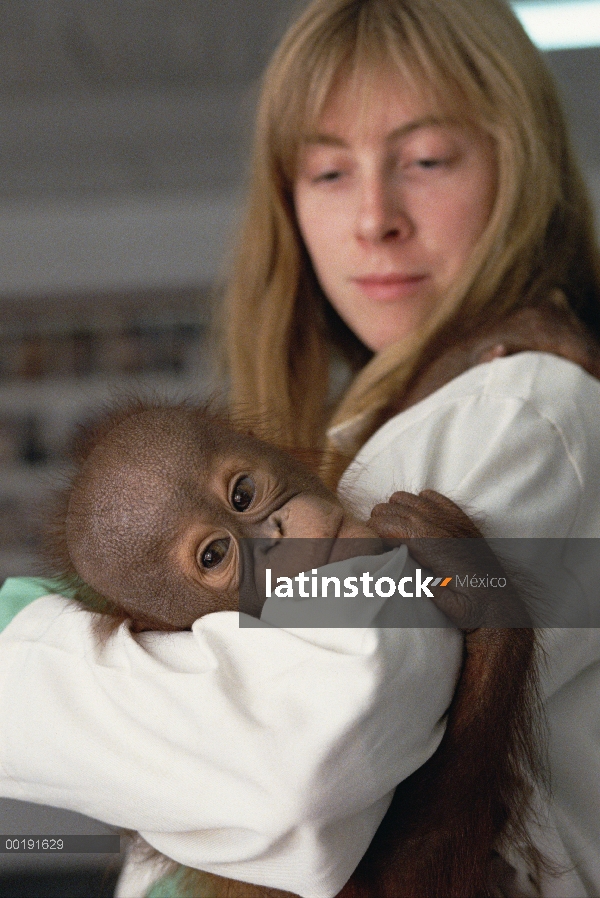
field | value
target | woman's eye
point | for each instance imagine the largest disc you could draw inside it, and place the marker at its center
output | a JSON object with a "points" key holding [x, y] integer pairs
{"points": [[214, 554], [243, 493], [328, 176], [429, 163]]}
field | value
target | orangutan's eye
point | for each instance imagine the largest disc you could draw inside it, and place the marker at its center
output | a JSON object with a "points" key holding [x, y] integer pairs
{"points": [[214, 554], [243, 493]]}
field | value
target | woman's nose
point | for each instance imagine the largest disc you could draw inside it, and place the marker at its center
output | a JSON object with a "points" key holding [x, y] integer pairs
{"points": [[381, 214]]}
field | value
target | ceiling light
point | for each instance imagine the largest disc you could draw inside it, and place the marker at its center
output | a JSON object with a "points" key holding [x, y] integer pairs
{"points": [[561, 25]]}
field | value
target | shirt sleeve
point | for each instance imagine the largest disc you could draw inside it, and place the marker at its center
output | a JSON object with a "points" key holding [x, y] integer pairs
{"points": [[258, 753]]}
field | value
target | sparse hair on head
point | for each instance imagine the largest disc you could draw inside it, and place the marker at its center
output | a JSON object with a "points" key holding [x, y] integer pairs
{"points": [[123, 503], [142, 472], [475, 61]]}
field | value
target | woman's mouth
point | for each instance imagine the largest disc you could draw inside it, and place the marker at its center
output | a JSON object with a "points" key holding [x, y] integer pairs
{"points": [[390, 287]]}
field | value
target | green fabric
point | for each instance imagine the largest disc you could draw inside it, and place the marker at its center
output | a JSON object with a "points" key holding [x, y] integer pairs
{"points": [[18, 592], [166, 887], [170, 887]]}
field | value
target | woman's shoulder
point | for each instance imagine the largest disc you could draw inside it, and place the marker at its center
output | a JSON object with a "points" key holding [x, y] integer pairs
{"points": [[551, 385], [512, 440], [544, 386]]}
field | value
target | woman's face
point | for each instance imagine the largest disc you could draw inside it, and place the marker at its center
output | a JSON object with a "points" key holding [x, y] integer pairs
{"points": [[390, 204]]}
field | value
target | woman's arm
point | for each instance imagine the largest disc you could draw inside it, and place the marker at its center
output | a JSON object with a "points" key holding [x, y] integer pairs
{"points": [[254, 753]]}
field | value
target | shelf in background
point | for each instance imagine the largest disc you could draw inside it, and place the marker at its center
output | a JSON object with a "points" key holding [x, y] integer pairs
{"points": [[63, 359]]}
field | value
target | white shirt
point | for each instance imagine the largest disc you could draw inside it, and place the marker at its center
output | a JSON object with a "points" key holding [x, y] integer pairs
{"points": [[517, 444], [269, 755], [255, 753]]}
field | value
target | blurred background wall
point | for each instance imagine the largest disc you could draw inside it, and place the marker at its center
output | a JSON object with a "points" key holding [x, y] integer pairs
{"points": [[124, 132], [124, 127]]}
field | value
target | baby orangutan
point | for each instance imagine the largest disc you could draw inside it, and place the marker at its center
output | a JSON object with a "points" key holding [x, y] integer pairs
{"points": [[150, 531], [161, 500]]}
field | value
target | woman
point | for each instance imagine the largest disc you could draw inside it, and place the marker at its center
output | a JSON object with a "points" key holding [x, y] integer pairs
{"points": [[470, 68], [412, 179], [419, 153]]}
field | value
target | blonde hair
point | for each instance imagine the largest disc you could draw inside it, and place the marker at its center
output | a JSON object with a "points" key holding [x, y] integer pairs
{"points": [[471, 57]]}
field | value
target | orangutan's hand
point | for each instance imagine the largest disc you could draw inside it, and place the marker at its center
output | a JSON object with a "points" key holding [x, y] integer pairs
{"points": [[476, 591]]}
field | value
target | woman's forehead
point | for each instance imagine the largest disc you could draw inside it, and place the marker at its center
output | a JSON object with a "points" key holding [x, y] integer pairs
{"points": [[359, 96], [385, 101]]}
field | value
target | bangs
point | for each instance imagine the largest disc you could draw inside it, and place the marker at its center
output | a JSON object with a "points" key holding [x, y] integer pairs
{"points": [[359, 44]]}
